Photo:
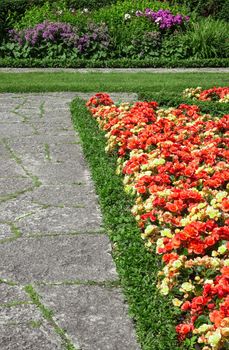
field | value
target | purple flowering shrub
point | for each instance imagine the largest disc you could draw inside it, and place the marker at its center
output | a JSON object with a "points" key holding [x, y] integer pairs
{"points": [[95, 42], [56, 39], [164, 19], [45, 32]]}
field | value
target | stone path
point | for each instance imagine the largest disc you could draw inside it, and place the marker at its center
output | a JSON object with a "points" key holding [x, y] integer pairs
{"points": [[116, 70], [58, 283]]}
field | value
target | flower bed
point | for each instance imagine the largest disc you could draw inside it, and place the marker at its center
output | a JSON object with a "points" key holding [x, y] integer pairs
{"points": [[175, 164], [219, 94]]}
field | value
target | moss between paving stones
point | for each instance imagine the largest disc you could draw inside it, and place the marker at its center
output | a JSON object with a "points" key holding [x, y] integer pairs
{"points": [[137, 268]]}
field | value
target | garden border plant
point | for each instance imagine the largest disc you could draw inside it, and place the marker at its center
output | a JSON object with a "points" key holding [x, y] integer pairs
{"points": [[125, 34], [137, 268], [147, 175]]}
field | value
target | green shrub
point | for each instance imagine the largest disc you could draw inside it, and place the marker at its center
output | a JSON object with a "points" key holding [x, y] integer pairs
{"points": [[12, 10], [206, 38], [114, 15], [89, 4], [55, 12], [132, 35], [215, 8], [58, 40]]}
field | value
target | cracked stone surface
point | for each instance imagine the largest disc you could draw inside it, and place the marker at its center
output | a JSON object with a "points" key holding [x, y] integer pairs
{"points": [[5, 231], [11, 293], [23, 327], [58, 258], [91, 303], [52, 239]]}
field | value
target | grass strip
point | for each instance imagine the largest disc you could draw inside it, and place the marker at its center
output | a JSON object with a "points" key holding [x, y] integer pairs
{"points": [[154, 318], [162, 83], [171, 100]]}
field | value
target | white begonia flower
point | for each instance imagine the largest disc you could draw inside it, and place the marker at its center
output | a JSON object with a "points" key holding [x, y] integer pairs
{"points": [[127, 16]]}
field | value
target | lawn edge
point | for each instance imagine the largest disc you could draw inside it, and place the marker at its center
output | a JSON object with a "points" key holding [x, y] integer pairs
{"points": [[153, 316]]}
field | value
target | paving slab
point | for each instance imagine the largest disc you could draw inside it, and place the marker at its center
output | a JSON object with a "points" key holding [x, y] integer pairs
{"points": [[66, 195], [12, 130], [14, 185], [93, 316], [60, 220], [5, 231], [23, 328], [12, 294], [57, 258], [17, 208], [10, 168], [50, 174], [4, 153]]}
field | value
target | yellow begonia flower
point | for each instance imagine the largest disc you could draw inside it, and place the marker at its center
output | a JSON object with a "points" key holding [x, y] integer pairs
{"points": [[212, 213], [150, 229], [157, 161], [187, 286], [177, 264], [176, 302], [167, 233], [215, 338], [204, 328], [164, 290], [222, 249], [185, 221], [160, 243], [221, 195], [225, 332], [215, 253]]}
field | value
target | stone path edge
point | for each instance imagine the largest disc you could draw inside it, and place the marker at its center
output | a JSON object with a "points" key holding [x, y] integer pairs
{"points": [[115, 70]]}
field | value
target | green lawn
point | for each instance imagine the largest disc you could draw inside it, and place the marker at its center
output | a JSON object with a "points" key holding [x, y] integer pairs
{"points": [[120, 82]]}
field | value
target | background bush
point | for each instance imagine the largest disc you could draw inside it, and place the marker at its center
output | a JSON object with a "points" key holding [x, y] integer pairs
{"points": [[130, 37], [215, 8], [206, 38], [12, 10], [89, 4]]}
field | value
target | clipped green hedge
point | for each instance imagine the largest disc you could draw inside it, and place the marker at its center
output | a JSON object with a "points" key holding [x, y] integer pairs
{"points": [[172, 100], [116, 63]]}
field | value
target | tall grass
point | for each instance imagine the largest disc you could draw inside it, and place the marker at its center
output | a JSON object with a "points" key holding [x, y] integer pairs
{"points": [[207, 38]]}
